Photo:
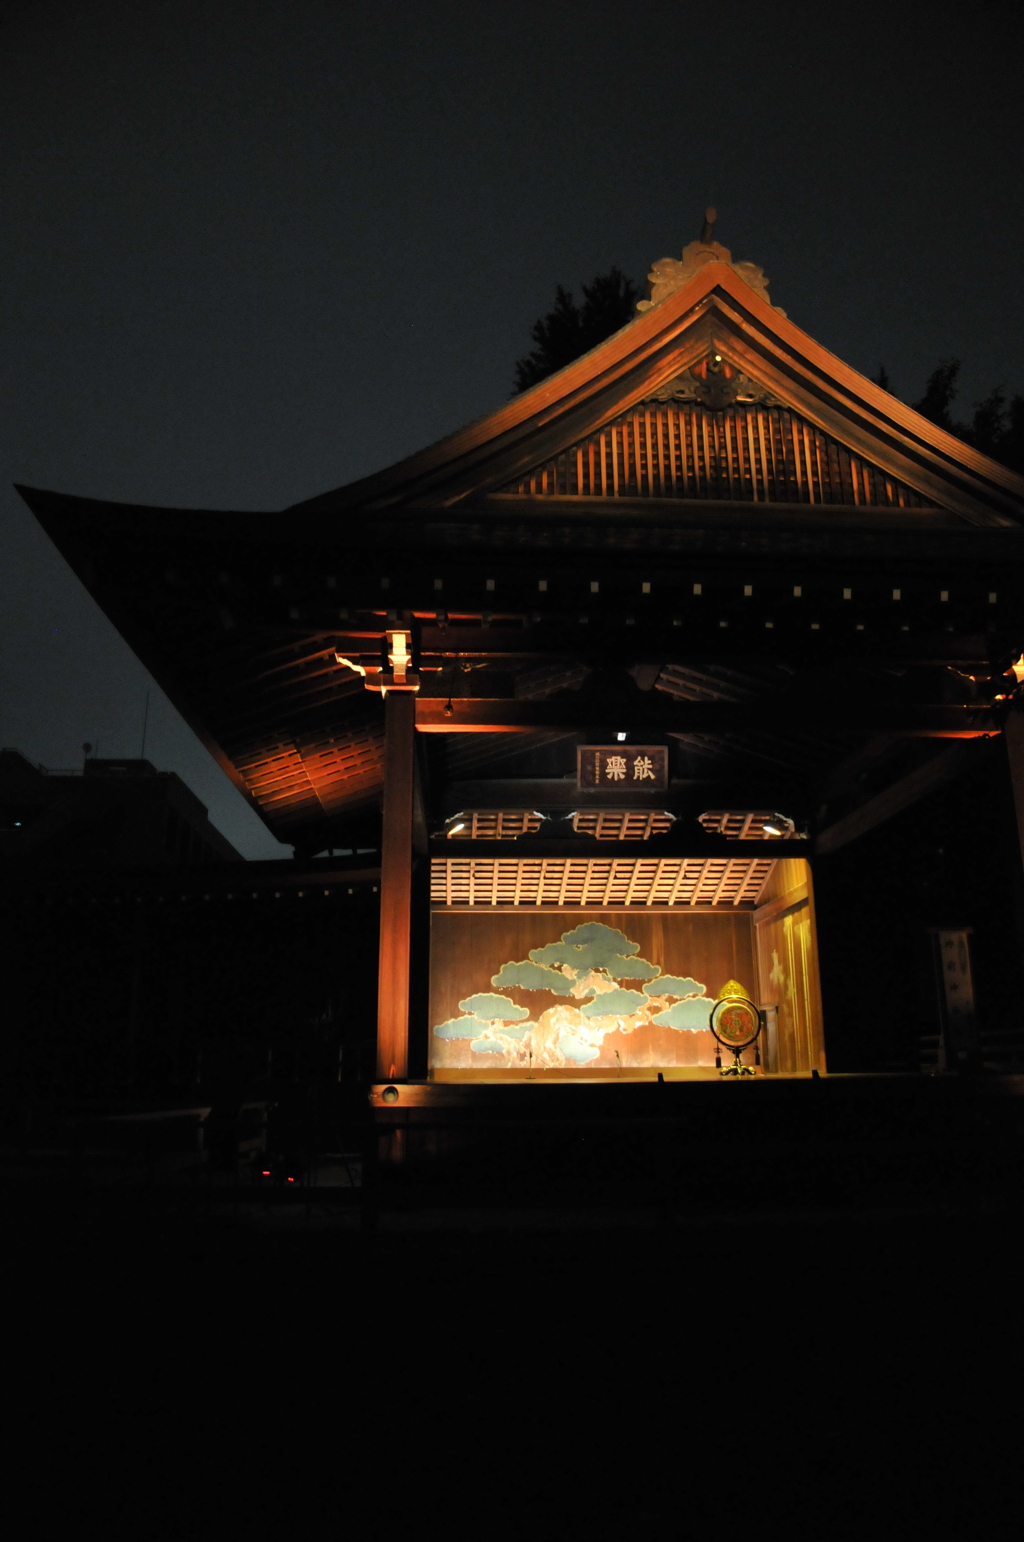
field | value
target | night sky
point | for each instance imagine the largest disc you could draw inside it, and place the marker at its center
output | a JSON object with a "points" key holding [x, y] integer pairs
{"points": [[254, 250]]}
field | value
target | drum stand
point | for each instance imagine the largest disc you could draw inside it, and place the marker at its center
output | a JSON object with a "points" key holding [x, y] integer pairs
{"points": [[738, 1068]]}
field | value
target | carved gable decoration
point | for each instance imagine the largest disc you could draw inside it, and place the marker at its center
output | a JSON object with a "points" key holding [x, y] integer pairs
{"points": [[682, 444], [715, 383]]}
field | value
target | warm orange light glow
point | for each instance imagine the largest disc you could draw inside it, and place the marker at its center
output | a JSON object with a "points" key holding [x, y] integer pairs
{"points": [[399, 655]]}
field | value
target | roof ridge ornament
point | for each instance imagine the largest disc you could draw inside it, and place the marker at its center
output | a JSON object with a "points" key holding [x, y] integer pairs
{"points": [[669, 273]]}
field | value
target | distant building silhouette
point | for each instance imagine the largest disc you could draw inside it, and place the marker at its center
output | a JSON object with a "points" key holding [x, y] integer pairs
{"points": [[111, 813]]}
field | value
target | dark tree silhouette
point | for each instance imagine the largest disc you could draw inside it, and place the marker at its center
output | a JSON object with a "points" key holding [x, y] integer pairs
{"points": [[1011, 444], [609, 302], [997, 427], [569, 330], [938, 395]]}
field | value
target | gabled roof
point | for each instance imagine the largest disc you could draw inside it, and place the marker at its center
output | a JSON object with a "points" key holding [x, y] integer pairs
{"points": [[715, 313], [710, 429]]}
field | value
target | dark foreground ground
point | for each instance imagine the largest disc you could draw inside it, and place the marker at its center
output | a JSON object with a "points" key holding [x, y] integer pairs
{"points": [[188, 1361]]}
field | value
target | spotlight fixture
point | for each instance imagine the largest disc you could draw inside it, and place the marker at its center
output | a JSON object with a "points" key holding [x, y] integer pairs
{"points": [[456, 828], [621, 738], [448, 709]]}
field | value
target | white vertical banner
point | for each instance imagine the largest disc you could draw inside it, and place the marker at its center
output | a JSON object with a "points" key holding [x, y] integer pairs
{"points": [[956, 993]]}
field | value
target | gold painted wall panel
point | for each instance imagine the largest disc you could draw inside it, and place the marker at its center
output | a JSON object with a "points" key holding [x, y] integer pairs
{"points": [[544, 1028], [787, 969]]}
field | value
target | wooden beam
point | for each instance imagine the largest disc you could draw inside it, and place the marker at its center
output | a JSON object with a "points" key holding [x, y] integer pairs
{"points": [[945, 768], [659, 712], [559, 637], [396, 887], [783, 904], [842, 778]]}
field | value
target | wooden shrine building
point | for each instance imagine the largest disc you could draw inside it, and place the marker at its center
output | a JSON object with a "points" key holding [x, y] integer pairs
{"points": [[605, 676]]}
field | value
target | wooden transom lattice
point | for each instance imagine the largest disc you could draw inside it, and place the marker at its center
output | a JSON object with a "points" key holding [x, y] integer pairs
{"points": [[622, 824], [697, 883], [494, 824], [760, 454], [743, 824]]}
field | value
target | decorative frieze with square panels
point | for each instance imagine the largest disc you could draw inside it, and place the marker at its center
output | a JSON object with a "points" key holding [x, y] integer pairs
{"points": [[493, 824], [622, 824]]}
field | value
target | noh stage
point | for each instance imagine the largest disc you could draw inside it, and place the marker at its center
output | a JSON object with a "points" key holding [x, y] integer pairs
{"points": [[520, 988], [615, 680]]}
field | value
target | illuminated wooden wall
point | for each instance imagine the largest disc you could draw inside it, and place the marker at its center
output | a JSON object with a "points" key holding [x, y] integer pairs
{"points": [[469, 947], [769, 947], [786, 954]]}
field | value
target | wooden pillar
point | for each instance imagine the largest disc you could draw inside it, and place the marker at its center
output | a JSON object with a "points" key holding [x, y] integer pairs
{"points": [[396, 887]]}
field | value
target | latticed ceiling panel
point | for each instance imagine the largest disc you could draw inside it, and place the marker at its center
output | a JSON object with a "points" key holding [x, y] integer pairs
{"points": [[322, 774], [753, 454], [622, 824], [277, 779], [672, 882], [344, 765]]}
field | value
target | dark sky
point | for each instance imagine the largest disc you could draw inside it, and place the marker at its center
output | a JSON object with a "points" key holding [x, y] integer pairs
{"points": [[254, 250]]}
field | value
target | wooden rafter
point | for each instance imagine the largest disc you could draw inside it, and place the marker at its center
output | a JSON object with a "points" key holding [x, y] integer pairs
{"points": [[943, 768]]}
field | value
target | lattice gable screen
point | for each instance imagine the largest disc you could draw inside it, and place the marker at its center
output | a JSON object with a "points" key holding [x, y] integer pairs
{"points": [[752, 453], [696, 883]]}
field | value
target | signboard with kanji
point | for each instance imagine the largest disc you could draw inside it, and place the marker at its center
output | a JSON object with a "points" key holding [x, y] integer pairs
{"points": [[622, 767]]}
